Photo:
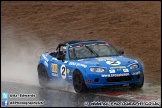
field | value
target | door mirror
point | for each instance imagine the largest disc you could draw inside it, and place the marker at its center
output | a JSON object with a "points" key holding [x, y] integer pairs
{"points": [[121, 52]]}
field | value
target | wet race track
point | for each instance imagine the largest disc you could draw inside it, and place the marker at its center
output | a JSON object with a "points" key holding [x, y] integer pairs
{"points": [[31, 28], [65, 96], [54, 98]]}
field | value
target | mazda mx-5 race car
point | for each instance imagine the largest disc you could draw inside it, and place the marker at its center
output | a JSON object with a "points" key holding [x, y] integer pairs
{"points": [[89, 64]]}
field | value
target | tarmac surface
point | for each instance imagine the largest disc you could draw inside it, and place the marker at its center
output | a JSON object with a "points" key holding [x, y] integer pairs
{"points": [[65, 96]]}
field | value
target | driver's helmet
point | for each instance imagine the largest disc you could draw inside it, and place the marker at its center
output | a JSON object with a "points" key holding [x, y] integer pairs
{"points": [[64, 49]]}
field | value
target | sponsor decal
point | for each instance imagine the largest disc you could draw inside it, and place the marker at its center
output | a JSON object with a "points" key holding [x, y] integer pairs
{"points": [[55, 74], [83, 65], [105, 75], [112, 71], [106, 59], [114, 75], [72, 63], [125, 70], [113, 62], [78, 64], [68, 71], [70, 76], [45, 58], [54, 67], [117, 67]]}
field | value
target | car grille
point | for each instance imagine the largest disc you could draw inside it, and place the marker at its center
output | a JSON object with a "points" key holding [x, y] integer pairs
{"points": [[119, 79]]}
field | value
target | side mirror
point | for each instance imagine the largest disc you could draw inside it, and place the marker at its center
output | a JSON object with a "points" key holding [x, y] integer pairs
{"points": [[121, 52]]}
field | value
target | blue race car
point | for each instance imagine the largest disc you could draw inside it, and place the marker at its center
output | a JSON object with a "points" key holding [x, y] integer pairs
{"points": [[89, 64]]}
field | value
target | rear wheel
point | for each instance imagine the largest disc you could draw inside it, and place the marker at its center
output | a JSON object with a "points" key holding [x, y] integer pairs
{"points": [[137, 85], [43, 76], [78, 82]]}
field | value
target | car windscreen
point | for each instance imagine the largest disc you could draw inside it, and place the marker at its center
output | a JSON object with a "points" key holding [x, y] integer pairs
{"points": [[91, 51]]}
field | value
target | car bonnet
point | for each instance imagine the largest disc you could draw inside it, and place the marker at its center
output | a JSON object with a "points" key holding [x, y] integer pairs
{"points": [[108, 61]]}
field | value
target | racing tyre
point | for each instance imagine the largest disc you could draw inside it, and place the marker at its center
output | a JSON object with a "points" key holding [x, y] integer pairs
{"points": [[78, 82], [137, 85], [43, 76]]}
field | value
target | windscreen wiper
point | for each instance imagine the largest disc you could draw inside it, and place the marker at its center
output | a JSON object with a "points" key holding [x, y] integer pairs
{"points": [[92, 51]]}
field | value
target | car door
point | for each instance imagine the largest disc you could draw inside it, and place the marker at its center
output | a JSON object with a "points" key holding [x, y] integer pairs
{"points": [[64, 68], [58, 68]]}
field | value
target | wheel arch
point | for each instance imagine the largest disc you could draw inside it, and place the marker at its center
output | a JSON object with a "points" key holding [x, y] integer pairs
{"points": [[41, 64], [80, 70], [83, 85]]}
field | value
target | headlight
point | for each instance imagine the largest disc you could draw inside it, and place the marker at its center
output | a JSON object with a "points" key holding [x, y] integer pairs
{"points": [[134, 66], [97, 69]]}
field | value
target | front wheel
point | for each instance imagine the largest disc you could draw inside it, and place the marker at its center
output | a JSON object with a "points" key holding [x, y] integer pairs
{"points": [[78, 82], [137, 85], [43, 76]]}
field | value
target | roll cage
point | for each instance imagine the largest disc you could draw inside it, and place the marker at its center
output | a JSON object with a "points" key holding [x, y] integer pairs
{"points": [[60, 53]]}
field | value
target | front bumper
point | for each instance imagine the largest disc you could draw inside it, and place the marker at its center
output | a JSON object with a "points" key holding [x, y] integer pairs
{"points": [[98, 80]]}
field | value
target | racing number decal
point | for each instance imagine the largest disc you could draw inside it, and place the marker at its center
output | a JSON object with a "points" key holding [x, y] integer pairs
{"points": [[54, 67], [63, 71]]}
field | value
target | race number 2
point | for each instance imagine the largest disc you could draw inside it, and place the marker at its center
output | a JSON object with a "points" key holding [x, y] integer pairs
{"points": [[63, 71]]}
